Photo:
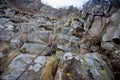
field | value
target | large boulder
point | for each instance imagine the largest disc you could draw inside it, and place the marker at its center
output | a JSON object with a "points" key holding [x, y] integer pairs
{"points": [[83, 67], [6, 33], [19, 64]]}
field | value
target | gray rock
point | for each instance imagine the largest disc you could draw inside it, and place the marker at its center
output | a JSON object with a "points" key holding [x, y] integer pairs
{"points": [[88, 23], [26, 6], [104, 38], [26, 27], [15, 43], [6, 35], [65, 30], [38, 36], [1, 54], [63, 48], [113, 28], [33, 47], [117, 34], [75, 24], [48, 25], [109, 34], [95, 31], [107, 45], [68, 38], [3, 21], [18, 65], [116, 37], [1, 27], [9, 27], [96, 7], [79, 67], [76, 29], [117, 52]]}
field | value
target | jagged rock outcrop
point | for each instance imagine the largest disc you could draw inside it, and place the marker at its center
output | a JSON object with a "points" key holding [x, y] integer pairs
{"points": [[37, 7]]}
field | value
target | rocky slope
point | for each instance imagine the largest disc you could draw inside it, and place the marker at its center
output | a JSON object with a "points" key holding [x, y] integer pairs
{"points": [[61, 44]]}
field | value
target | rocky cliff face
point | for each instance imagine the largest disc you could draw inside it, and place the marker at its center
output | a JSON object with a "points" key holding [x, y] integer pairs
{"points": [[38, 7], [81, 45]]}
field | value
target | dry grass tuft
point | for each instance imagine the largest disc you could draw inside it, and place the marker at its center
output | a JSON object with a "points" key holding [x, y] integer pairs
{"points": [[49, 71]]}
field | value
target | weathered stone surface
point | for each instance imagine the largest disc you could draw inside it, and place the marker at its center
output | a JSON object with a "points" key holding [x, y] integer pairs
{"points": [[49, 26], [33, 47], [97, 30], [38, 36], [109, 34], [9, 27], [85, 67], [96, 7], [15, 43], [1, 27], [96, 27], [75, 24], [6, 34], [113, 27], [3, 21], [1, 54], [25, 27], [117, 51], [107, 45], [69, 38], [26, 6], [18, 65], [9, 12], [65, 30], [63, 48]]}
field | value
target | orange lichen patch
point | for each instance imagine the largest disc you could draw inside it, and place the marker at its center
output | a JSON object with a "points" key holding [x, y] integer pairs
{"points": [[68, 74]]}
